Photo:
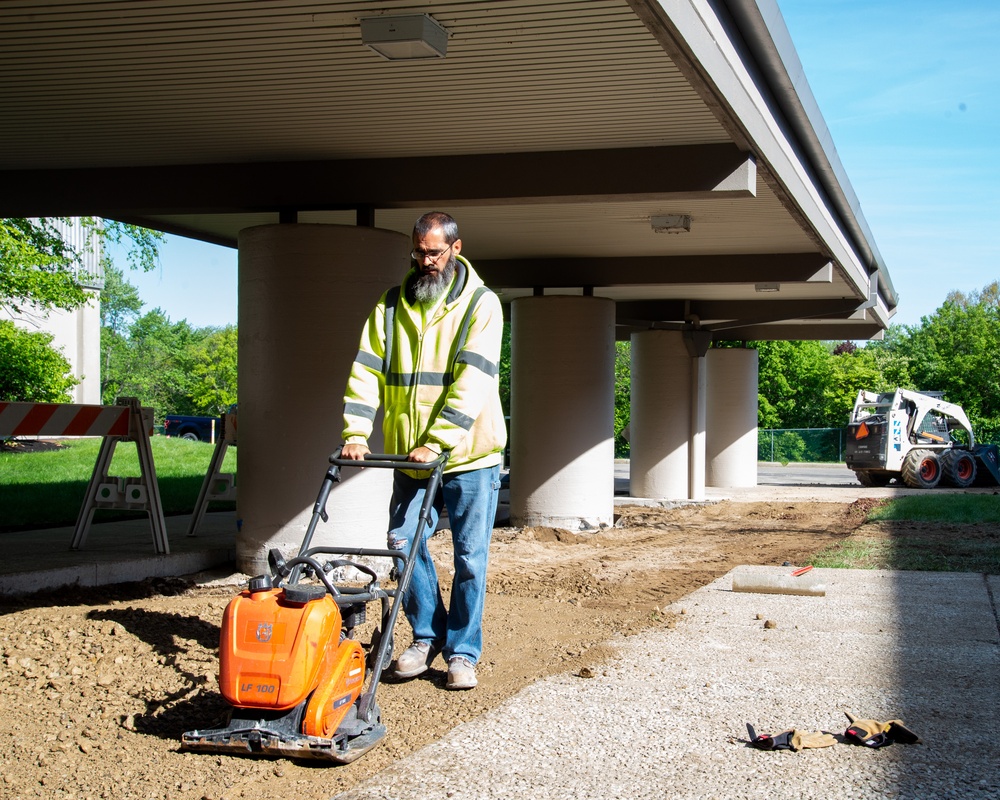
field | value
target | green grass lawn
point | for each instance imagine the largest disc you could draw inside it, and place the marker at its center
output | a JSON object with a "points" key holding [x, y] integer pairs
{"points": [[46, 489], [927, 532]]}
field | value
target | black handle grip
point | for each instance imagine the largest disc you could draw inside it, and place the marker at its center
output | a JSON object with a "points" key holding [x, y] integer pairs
{"points": [[388, 461]]}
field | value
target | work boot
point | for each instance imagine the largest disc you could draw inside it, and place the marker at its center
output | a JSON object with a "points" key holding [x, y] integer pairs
{"points": [[415, 660], [461, 673]]}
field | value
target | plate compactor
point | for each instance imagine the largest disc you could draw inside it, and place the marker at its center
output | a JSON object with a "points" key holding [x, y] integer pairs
{"points": [[290, 666]]}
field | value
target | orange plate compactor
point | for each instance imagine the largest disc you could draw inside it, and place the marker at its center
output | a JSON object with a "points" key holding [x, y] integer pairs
{"points": [[290, 666]]}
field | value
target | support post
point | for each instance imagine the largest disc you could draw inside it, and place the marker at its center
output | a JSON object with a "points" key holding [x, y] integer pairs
{"points": [[217, 485]]}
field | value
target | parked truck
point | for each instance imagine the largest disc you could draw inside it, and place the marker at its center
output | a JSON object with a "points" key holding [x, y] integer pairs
{"points": [[917, 439], [203, 429]]}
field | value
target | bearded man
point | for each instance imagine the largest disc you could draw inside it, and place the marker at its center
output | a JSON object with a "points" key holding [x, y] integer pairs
{"points": [[430, 354]]}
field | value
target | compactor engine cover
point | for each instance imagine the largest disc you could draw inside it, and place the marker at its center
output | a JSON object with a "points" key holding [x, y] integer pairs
{"points": [[272, 650]]}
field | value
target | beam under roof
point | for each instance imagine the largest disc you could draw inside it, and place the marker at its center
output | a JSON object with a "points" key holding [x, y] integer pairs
{"points": [[575, 176], [722, 312], [656, 270]]}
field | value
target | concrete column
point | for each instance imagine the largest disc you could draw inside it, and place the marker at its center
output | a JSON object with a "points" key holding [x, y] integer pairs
{"points": [[562, 412], [304, 294], [661, 415], [731, 446], [698, 342], [696, 446]]}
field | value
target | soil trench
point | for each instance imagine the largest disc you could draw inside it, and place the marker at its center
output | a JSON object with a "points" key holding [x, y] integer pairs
{"points": [[98, 685]]}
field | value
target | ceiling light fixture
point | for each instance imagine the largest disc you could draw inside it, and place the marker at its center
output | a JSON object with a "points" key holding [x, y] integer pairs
{"points": [[671, 223], [767, 287], [405, 38]]}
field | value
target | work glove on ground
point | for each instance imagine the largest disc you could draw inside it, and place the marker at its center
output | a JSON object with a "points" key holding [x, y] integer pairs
{"points": [[874, 733], [789, 740]]}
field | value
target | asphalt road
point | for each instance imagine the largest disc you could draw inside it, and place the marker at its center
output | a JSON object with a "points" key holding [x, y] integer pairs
{"points": [[821, 482], [805, 475]]}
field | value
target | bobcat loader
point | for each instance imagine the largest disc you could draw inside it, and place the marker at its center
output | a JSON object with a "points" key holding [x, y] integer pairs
{"points": [[918, 439]]}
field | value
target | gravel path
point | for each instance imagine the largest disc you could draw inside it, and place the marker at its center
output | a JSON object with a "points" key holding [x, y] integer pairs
{"points": [[666, 717]]}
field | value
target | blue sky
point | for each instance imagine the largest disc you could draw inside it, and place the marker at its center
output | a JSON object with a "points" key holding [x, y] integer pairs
{"points": [[910, 91], [911, 94]]}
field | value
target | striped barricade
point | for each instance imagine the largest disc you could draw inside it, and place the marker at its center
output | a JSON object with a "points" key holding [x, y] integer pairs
{"points": [[217, 485], [59, 419], [127, 421]]}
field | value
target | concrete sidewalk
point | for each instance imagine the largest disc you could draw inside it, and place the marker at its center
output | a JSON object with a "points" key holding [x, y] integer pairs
{"points": [[114, 552], [666, 717]]}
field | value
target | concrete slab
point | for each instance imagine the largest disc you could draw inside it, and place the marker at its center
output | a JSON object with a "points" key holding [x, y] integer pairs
{"points": [[114, 552]]}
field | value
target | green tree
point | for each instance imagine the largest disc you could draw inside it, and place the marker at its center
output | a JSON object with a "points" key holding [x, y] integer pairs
{"points": [[956, 350], [813, 384], [791, 383], [155, 364], [505, 369], [120, 306], [40, 272], [623, 397], [120, 301], [31, 370], [214, 373]]}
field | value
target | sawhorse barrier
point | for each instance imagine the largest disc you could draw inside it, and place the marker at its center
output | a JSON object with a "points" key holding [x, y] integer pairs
{"points": [[127, 421], [217, 485]]}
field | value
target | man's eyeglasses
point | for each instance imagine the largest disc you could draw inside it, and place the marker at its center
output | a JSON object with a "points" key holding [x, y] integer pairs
{"points": [[421, 255]]}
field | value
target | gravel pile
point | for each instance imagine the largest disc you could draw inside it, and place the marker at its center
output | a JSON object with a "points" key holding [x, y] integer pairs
{"points": [[667, 717]]}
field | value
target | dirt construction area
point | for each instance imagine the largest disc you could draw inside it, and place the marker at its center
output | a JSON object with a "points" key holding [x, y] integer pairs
{"points": [[97, 685]]}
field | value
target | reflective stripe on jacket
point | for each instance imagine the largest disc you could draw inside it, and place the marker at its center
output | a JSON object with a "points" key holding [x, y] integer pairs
{"points": [[440, 388]]}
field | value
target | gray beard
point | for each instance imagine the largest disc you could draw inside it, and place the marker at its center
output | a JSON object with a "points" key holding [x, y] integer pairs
{"points": [[428, 288]]}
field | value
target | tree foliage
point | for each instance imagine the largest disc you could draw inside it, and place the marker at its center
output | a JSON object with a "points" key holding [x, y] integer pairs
{"points": [[213, 372], [31, 370], [38, 270], [170, 366], [623, 397], [39, 273], [957, 351]]}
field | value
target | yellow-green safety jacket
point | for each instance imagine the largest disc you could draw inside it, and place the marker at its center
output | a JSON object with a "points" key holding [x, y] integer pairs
{"points": [[440, 383]]}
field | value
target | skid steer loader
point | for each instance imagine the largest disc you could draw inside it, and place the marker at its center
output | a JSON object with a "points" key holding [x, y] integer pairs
{"points": [[917, 439]]}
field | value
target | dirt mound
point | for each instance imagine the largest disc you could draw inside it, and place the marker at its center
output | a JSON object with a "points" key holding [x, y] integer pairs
{"points": [[98, 684]]}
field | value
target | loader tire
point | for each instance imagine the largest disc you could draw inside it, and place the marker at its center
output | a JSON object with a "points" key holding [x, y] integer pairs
{"points": [[959, 468], [922, 469], [873, 479]]}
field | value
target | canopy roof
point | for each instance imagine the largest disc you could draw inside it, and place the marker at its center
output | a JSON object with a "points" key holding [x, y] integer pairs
{"points": [[553, 131]]}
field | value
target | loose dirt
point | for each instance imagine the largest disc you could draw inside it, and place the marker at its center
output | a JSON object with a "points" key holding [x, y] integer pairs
{"points": [[98, 685]]}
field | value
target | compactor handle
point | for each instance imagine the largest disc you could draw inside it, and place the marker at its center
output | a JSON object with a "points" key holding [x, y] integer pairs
{"points": [[388, 461]]}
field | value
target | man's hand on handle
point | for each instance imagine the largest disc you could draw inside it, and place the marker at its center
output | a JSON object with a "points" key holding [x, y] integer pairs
{"points": [[354, 452], [418, 455], [422, 455]]}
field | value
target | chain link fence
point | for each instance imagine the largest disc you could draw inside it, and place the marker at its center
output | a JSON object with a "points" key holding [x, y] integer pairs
{"points": [[784, 445]]}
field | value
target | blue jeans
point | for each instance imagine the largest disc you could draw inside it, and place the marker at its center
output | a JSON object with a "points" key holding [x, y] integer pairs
{"points": [[471, 500]]}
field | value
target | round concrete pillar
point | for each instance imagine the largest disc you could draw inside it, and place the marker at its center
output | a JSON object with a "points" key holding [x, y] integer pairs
{"points": [[731, 444], [660, 415], [304, 294], [562, 412]]}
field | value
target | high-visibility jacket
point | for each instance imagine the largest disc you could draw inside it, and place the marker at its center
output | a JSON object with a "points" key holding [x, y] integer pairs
{"points": [[440, 384]]}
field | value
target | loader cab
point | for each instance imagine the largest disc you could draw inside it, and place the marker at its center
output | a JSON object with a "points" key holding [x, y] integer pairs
{"points": [[932, 429]]}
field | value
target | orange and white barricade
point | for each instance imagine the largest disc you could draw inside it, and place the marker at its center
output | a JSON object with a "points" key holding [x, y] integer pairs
{"points": [[217, 485], [127, 421]]}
